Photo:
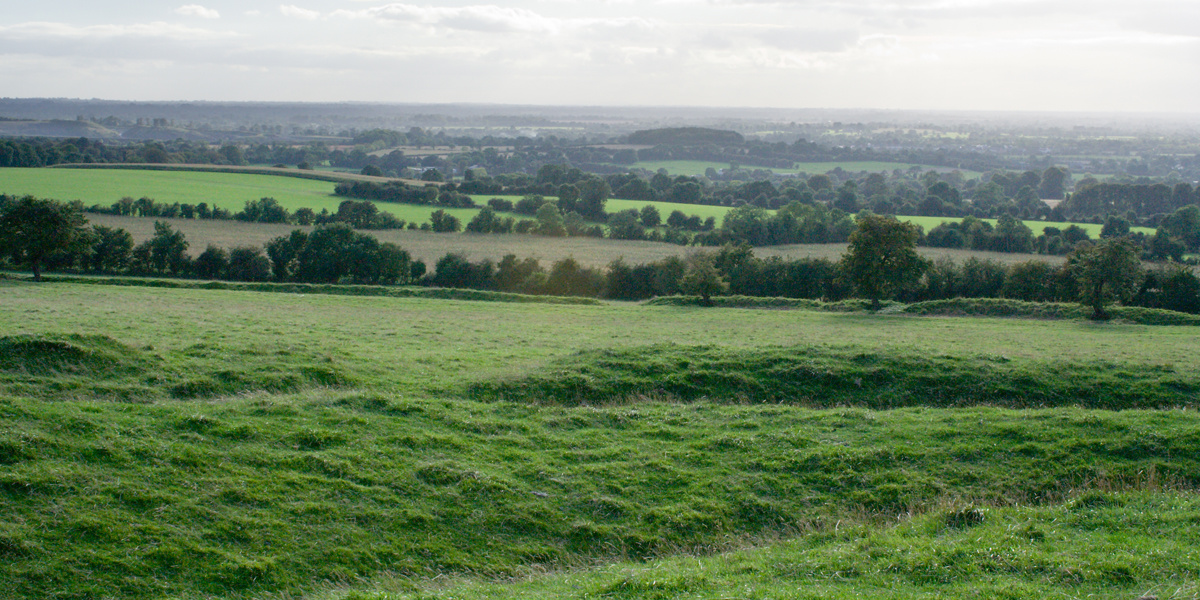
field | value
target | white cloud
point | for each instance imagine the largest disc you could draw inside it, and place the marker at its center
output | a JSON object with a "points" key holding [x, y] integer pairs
{"points": [[489, 18], [483, 18], [195, 10], [62, 31], [295, 12]]}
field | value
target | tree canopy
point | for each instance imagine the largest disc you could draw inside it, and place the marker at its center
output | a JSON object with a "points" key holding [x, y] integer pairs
{"points": [[882, 258], [31, 229], [1107, 271]]}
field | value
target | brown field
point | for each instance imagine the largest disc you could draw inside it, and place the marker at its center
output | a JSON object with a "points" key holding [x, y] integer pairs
{"points": [[429, 247]]}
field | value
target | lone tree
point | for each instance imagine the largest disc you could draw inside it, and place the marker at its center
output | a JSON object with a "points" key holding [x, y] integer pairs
{"points": [[1107, 271], [882, 258], [703, 279], [32, 229]]}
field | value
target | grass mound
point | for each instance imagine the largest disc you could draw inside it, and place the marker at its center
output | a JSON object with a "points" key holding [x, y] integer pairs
{"points": [[72, 366], [824, 377], [1015, 553], [93, 355], [952, 307]]}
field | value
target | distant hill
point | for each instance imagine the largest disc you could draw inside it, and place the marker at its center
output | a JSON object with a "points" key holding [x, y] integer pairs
{"points": [[685, 136], [56, 128]]}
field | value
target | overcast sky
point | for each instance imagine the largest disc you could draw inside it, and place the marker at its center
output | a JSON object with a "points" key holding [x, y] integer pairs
{"points": [[1093, 55]]}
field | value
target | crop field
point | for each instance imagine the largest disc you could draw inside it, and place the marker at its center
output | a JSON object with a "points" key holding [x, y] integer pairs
{"points": [[204, 443], [428, 246]]}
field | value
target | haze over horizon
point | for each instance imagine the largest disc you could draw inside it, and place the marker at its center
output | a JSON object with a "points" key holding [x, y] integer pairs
{"points": [[974, 55]]}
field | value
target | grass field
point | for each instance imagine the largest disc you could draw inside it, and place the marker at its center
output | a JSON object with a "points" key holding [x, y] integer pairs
{"points": [[191, 443]]}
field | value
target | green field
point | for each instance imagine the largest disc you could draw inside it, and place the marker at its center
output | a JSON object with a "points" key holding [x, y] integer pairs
{"points": [[205, 443], [227, 190], [232, 190], [1038, 227]]}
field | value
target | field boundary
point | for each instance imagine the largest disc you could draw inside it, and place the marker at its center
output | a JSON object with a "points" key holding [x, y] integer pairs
{"points": [[951, 307], [318, 288]]}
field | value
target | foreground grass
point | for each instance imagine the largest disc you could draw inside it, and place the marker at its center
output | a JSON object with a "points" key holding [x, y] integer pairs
{"points": [[1108, 545], [253, 341], [196, 443], [275, 493]]}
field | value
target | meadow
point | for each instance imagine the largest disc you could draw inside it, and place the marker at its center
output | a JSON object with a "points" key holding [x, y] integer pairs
{"points": [[205, 443]]}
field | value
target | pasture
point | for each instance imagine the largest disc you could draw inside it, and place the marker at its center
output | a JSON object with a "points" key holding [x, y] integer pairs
{"points": [[194, 443]]}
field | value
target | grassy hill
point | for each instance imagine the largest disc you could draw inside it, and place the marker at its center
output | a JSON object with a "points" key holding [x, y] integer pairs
{"points": [[199, 443]]}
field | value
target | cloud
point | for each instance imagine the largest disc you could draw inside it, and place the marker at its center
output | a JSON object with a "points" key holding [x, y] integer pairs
{"points": [[195, 10], [808, 40], [62, 31], [481, 18], [489, 18], [295, 12]]}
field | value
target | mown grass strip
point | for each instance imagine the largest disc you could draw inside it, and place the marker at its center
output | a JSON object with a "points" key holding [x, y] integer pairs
{"points": [[328, 289], [825, 377]]}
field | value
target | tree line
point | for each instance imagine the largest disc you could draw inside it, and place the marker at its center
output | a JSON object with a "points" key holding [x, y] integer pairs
{"points": [[880, 263]]}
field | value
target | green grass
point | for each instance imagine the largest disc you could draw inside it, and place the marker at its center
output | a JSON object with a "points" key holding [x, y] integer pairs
{"points": [[1038, 227], [227, 190], [230, 191], [829, 377], [179, 442], [1076, 549]]}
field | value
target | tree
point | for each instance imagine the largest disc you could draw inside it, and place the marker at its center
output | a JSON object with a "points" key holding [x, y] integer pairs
{"points": [[625, 226], [31, 229], [882, 258], [247, 263], [1106, 271], [168, 249], [212, 263], [111, 250], [550, 221], [593, 193], [443, 222], [703, 279], [649, 216]]}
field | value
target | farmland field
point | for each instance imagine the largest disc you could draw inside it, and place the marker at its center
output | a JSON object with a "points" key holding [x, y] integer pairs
{"points": [[232, 190], [429, 247], [194, 443]]}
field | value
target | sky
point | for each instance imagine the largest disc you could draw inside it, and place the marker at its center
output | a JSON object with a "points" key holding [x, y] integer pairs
{"points": [[1011, 55]]}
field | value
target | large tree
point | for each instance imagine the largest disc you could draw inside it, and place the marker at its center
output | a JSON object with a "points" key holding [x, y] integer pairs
{"points": [[882, 258], [1106, 271], [32, 229]]}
